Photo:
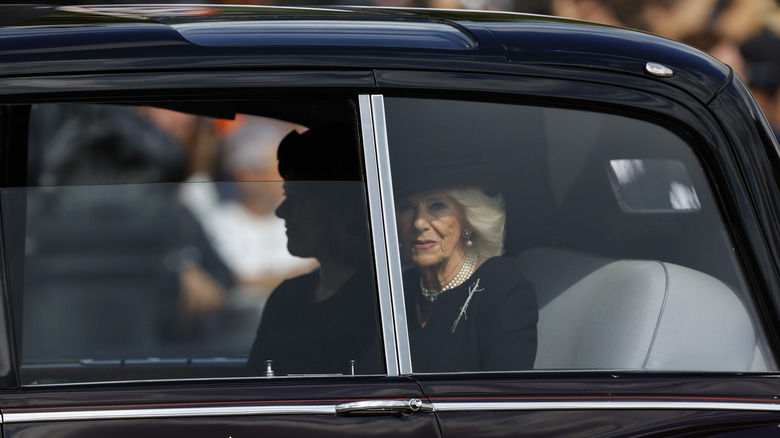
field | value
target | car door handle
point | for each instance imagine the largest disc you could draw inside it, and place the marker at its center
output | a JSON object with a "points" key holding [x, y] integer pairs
{"points": [[384, 407]]}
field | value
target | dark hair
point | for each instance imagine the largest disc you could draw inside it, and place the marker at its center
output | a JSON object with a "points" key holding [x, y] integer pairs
{"points": [[323, 153]]}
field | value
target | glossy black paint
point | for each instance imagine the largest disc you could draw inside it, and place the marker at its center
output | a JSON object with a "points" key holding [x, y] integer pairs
{"points": [[82, 55], [605, 389], [754, 181], [628, 423], [262, 393], [293, 390], [525, 42], [160, 84], [603, 386], [272, 425]]}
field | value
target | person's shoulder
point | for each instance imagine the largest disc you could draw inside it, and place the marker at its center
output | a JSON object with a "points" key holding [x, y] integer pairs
{"points": [[500, 266], [504, 282], [498, 262], [502, 273], [293, 289]]}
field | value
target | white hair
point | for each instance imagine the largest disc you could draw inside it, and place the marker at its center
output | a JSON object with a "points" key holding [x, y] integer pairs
{"points": [[486, 216]]}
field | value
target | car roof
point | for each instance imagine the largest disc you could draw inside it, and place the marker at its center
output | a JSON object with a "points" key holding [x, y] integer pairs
{"points": [[82, 39]]}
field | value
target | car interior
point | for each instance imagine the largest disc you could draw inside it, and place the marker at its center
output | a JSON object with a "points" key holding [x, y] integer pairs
{"points": [[617, 287], [622, 282]]}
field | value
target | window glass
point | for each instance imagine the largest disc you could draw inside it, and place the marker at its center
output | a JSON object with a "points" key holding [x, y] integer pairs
{"points": [[653, 185], [162, 243], [538, 238]]}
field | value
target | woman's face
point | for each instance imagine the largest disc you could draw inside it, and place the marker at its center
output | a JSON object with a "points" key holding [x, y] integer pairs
{"points": [[306, 220], [430, 226]]}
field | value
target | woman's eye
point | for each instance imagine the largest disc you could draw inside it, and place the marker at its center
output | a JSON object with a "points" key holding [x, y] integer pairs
{"points": [[438, 206], [404, 208]]}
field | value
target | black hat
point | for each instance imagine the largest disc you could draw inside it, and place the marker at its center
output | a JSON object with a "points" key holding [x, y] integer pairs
{"points": [[431, 164], [323, 153]]}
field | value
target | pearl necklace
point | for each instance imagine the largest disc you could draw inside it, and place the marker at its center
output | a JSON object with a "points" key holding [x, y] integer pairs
{"points": [[465, 272]]}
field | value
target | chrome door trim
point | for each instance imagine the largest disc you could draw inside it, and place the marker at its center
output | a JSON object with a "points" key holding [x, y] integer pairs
{"points": [[391, 234], [32, 415], [121, 414], [377, 220], [604, 405]]}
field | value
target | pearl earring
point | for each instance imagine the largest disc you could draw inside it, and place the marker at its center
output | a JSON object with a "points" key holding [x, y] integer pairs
{"points": [[466, 234]]}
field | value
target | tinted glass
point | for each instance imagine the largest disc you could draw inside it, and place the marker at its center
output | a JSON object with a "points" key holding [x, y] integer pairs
{"points": [[542, 238], [162, 244], [653, 185]]}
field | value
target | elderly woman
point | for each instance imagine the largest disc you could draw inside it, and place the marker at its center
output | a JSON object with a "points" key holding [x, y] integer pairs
{"points": [[468, 309]]}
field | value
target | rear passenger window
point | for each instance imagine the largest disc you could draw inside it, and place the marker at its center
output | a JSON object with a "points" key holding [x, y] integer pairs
{"points": [[538, 238], [194, 240]]}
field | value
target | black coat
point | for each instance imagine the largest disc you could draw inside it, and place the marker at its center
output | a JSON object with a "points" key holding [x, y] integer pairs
{"points": [[496, 331], [301, 336]]}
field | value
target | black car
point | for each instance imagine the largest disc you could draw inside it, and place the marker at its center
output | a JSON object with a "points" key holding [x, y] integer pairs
{"points": [[263, 221]]}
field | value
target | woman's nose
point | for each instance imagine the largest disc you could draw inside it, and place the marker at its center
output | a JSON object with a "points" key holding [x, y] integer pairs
{"points": [[421, 223], [281, 210]]}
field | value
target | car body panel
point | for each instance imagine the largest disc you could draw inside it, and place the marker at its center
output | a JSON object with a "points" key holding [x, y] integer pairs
{"points": [[151, 55], [606, 405], [758, 171], [495, 44], [231, 407]]}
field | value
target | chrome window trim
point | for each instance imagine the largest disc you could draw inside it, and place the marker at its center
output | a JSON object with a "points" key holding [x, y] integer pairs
{"points": [[368, 123], [391, 233], [227, 379]]}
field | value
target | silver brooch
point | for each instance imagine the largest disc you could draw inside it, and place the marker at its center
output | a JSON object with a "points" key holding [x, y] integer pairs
{"points": [[462, 314]]}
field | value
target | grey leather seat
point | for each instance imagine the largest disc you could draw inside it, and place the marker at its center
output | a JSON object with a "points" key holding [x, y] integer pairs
{"points": [[598, 313]]}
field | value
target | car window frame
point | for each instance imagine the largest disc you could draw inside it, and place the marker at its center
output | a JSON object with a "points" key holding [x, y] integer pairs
{"points": [[364, 127], [709, 150]]}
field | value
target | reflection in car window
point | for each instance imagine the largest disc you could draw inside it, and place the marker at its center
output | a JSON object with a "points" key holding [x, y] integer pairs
{"points": [[589, 271], [152, 243], [653, 185]]}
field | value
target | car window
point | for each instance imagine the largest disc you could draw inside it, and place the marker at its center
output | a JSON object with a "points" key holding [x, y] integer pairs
{"points": [[542, 238], [164, 243]]}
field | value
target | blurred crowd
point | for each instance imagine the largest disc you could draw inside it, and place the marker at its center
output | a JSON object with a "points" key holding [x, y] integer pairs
{"points": [[744, 34]]}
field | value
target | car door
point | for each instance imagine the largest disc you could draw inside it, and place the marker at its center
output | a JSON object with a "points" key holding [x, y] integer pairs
{"points": [[649, 310], [132, 314]]}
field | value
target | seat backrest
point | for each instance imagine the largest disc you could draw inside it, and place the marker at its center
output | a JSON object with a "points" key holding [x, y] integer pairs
{"points": [[598, 313]]}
